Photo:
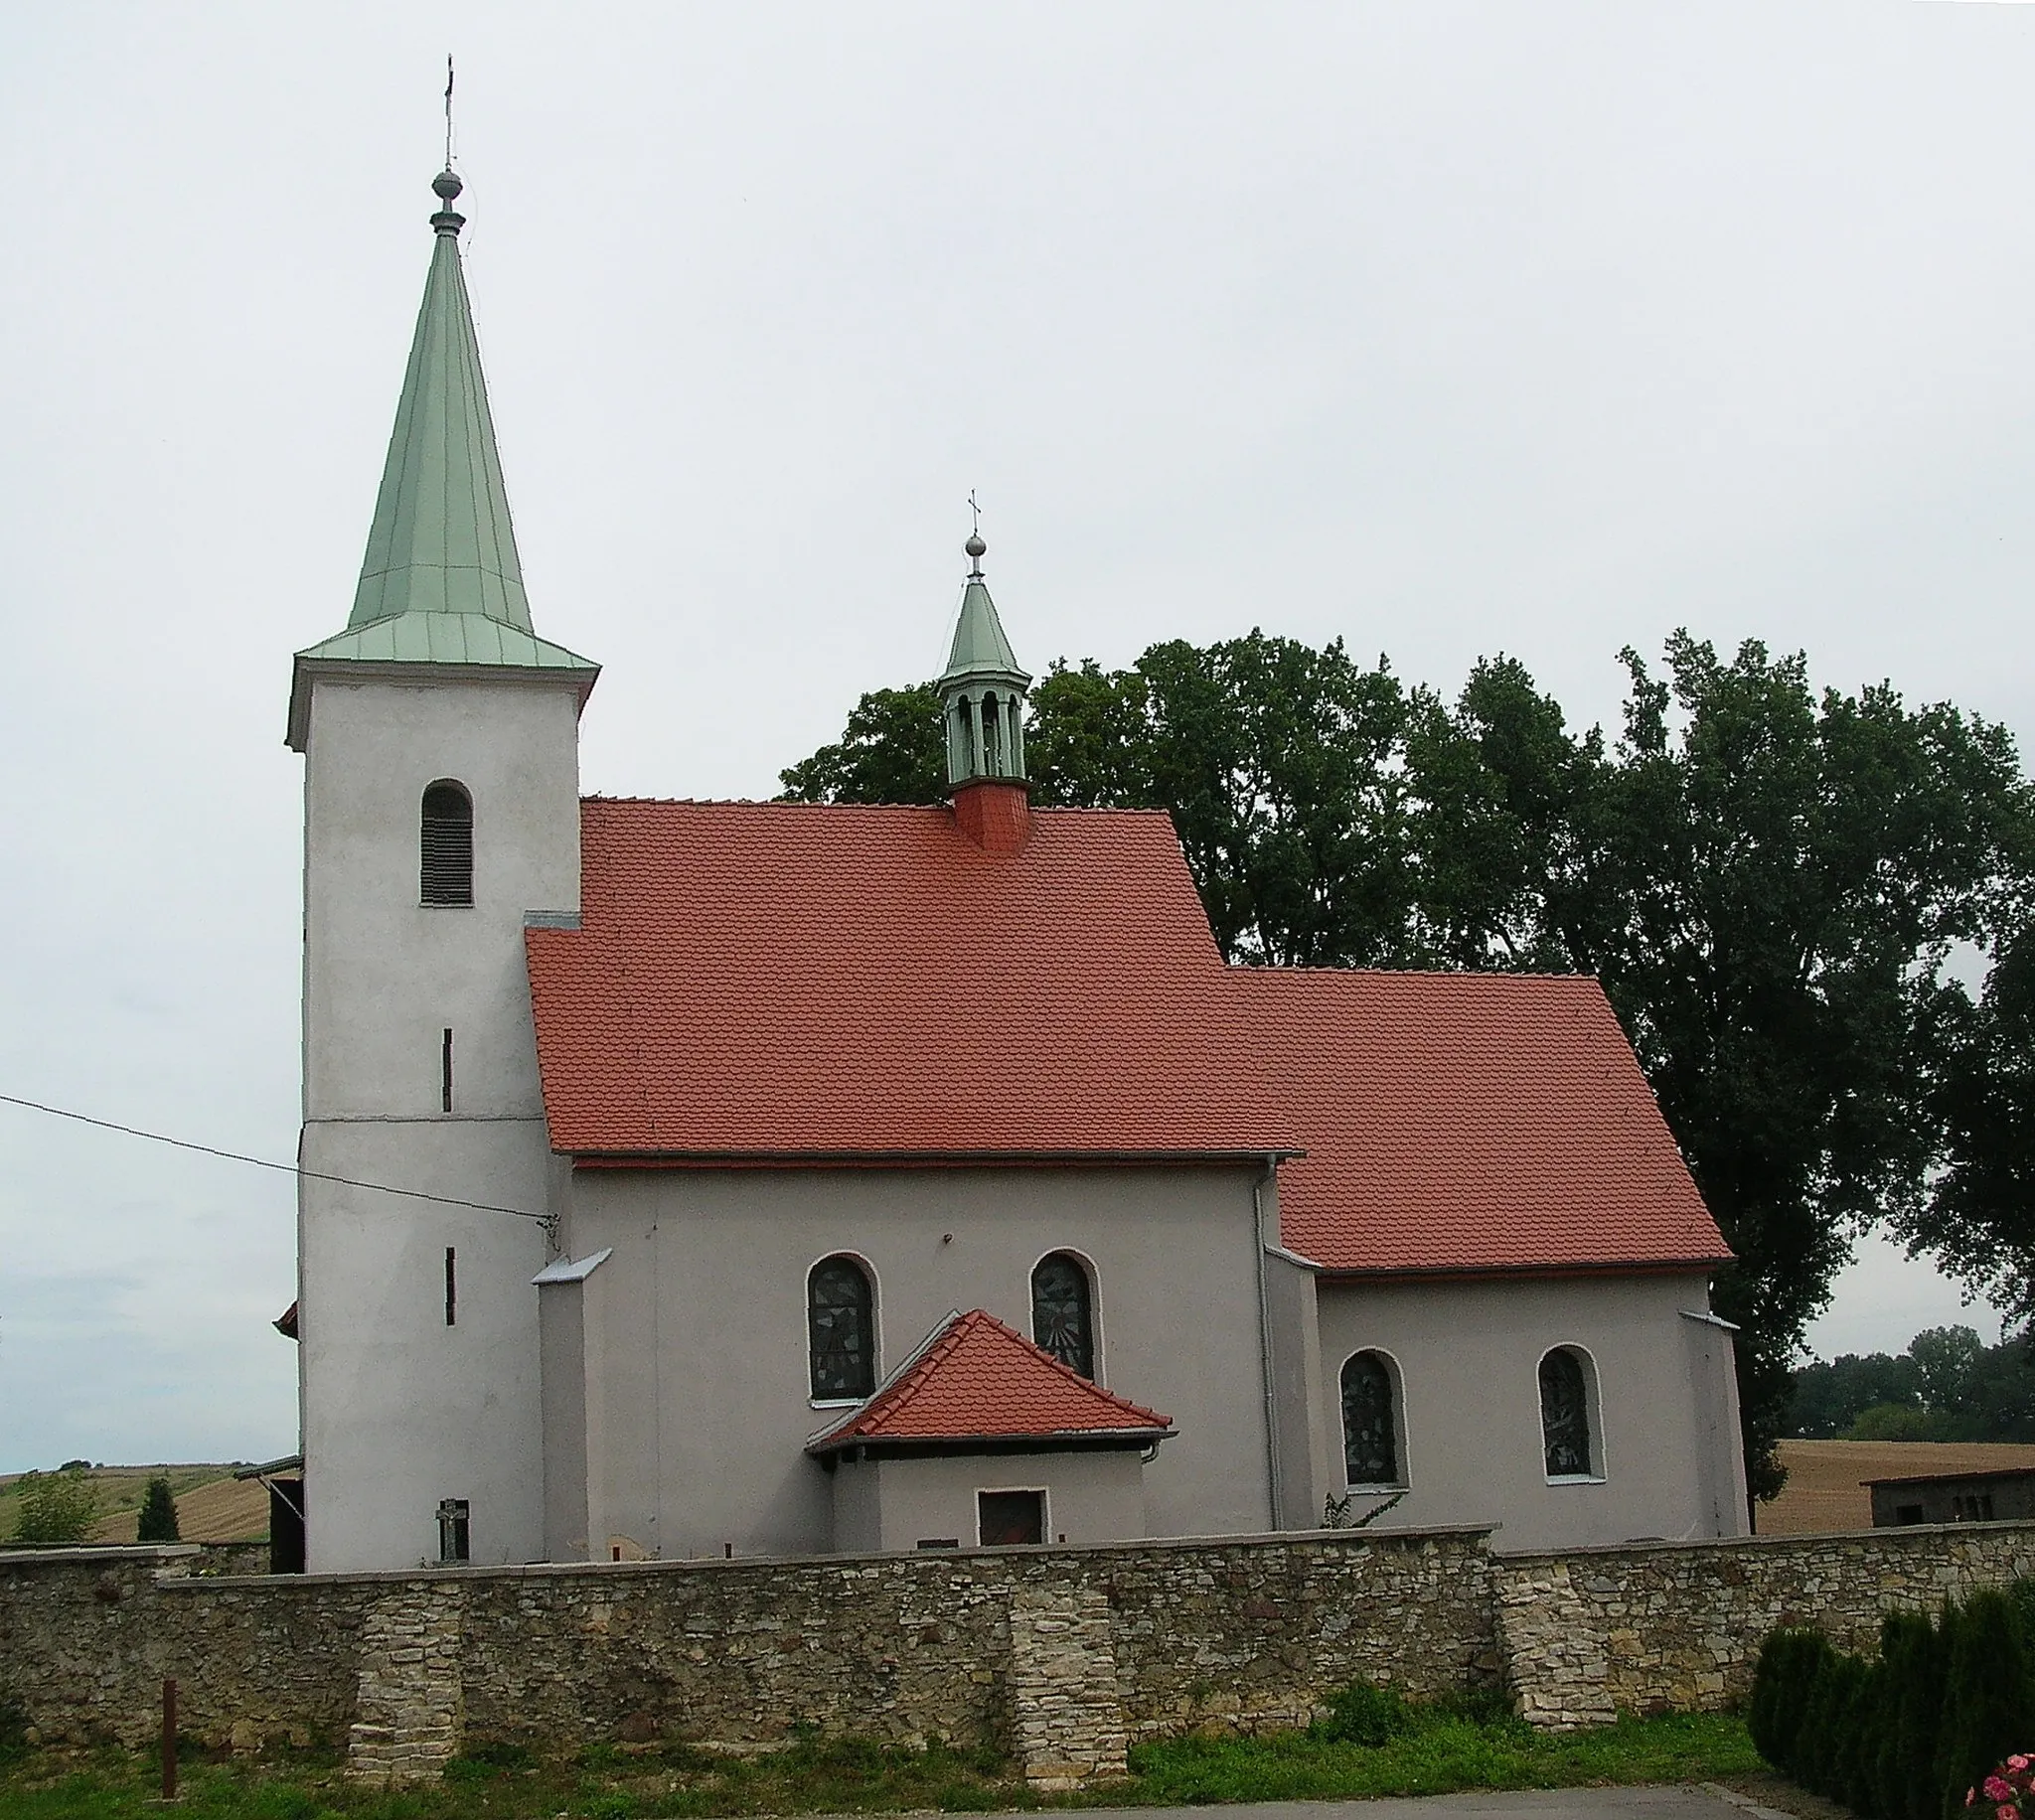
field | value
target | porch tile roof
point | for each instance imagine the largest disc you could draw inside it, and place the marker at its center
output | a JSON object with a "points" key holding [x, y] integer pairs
{"points": [[975, 1379]]}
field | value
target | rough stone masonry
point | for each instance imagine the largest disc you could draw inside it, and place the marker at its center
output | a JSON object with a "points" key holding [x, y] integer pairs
{"points": [[1066, 1657]]}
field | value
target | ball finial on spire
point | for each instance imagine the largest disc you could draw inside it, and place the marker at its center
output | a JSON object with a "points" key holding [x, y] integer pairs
{"points": [[446, 186], [975, 547]]}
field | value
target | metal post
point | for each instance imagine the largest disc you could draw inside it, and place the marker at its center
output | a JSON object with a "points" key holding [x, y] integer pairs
{"points": [[168, 1737]]}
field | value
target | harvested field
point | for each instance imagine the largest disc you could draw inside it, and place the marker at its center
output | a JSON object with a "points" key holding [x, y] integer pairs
{"points": [[212, 1505], [1824, 1494]]}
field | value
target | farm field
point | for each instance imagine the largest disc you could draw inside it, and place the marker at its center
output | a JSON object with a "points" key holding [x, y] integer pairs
{"points": [[1824, 1494], [212, 1505]]}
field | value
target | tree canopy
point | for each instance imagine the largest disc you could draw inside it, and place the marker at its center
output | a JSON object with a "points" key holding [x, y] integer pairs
{"points": [[1948, 1386], [55, 1509], [1782, 889]]}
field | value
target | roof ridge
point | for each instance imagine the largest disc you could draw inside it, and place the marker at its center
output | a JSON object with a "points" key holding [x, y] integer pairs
{"points": [[778, 803], [1272, 970]]}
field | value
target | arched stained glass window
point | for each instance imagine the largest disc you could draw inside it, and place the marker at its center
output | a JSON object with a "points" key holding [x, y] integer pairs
{"points": [[1063, 1311], [1565, 1415], [840, 1328], [1370, 1430], [445, 844]]}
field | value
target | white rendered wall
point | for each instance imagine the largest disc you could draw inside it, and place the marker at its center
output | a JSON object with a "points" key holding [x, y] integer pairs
{"points": [[695, 1330], [399, 1409], [1468, 1358], [895, 1504]]}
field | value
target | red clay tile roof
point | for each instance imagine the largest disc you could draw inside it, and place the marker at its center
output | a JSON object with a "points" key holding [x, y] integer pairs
{"points": [[771, 980], [778, 980], [1469, 1121], [975, 1379]]}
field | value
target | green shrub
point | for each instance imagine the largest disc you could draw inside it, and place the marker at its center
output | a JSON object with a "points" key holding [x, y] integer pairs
{"points": [[1856, 1766], [158, 1519], [1361, 1714], [1790, 1662], [1988, 1706], [55, 1509], [1819, 1763], [2021, 1595], [1908, 1652]]}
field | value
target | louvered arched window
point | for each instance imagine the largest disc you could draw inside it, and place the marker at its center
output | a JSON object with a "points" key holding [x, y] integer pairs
{"points": [[1565, 1416], [1370, 1422], [445, 844], [840, 1330], [1063, 1311]]}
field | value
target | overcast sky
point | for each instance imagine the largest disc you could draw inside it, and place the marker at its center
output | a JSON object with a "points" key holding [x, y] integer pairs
{"points": [[1443, 329]]}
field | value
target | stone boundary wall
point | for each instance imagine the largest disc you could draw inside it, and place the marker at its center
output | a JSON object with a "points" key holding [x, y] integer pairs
{"points": [[1250, 1632], [1660, 1626], [1066, 1656]]}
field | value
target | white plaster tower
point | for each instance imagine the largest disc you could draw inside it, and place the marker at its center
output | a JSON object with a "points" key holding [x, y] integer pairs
{"points": [[441, 808]]}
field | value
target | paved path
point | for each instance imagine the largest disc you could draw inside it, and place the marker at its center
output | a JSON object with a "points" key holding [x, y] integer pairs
{"points": [[1655, 1804]]}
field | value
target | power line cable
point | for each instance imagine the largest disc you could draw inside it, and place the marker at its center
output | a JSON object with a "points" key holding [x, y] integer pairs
{"points": [[262, 1163]]}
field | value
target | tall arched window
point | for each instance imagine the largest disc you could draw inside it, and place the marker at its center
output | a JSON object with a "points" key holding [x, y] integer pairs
{"points": [[1063, 1311], [840, 1330], [1565, 1416], [445, 844], [1370, 1425]]}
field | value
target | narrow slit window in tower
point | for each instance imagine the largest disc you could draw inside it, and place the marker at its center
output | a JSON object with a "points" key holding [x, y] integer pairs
{"points": [[451, 1288], [445, 1071]]}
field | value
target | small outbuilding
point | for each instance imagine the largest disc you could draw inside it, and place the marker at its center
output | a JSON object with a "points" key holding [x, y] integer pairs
{"points": [[2003, 1495]]}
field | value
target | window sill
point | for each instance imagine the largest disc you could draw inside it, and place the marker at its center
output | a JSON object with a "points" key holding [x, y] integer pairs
{"points": [[834, 1402], [1373, 1491], [1575, 1478]]}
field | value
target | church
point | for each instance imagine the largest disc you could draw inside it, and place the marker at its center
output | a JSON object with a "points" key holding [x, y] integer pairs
{"points": [[787, 1180]]}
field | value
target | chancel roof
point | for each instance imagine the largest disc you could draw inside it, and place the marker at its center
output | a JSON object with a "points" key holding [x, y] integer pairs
{"points": [[1467, 1122]]}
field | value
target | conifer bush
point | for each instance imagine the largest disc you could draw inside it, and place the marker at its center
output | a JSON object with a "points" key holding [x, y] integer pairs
{"points": [[1989, 1708], [1909, 1736], [1905, 1765], [1789, 1663], [158, 1520]]}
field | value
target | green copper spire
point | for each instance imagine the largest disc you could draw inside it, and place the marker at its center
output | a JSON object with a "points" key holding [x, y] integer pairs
{"points": [[983, 689], [441, 583], [442, 541]]}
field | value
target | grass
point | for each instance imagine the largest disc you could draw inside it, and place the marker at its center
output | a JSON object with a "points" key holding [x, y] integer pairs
{"points": [[1439, 1753]]}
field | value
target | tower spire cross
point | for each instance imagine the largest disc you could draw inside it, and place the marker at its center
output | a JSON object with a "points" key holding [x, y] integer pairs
{"points": [[449, 110]]}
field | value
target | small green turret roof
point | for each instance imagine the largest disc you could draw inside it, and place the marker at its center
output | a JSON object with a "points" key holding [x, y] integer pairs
{"points": [[441, 582], [980, 648]]}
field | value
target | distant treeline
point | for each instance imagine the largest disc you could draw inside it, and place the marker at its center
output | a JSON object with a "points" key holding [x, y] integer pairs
{"points": [[1948, 1386]]}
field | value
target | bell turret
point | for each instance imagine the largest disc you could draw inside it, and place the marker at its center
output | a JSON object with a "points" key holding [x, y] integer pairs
{"points": [[982, 697]]}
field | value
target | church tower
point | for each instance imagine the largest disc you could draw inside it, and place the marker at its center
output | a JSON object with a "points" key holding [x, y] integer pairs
{"points": [[441, 812]]}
